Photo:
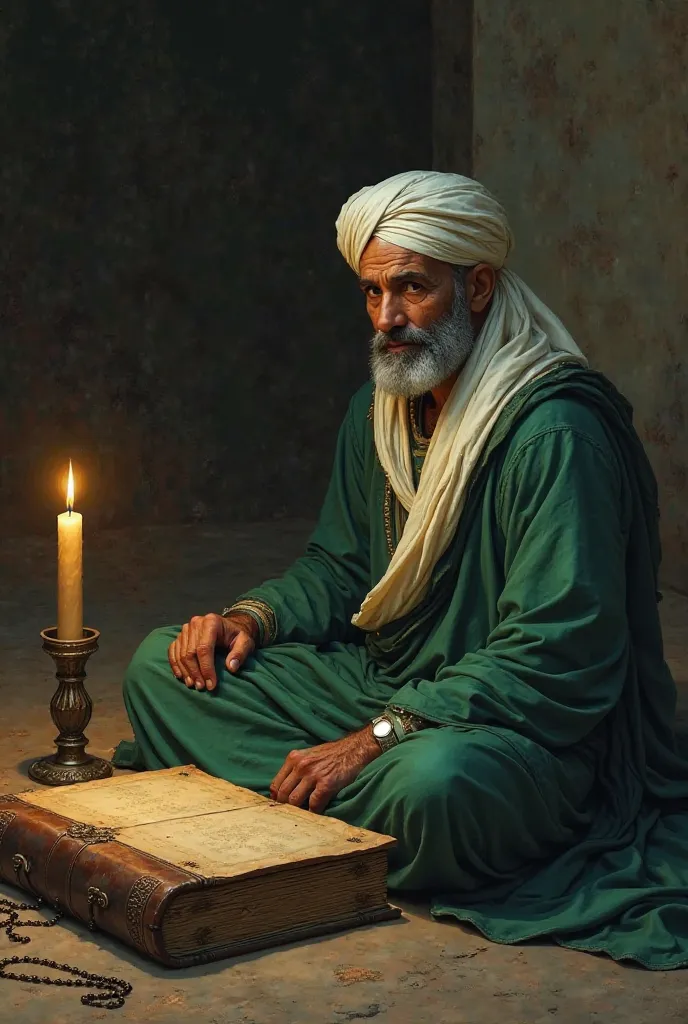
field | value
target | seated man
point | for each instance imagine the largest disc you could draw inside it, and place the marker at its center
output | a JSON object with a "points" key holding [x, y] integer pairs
{"points": [[468, 656]]}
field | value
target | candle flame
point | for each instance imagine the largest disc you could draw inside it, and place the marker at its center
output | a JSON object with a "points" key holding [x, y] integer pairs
{"points": [[70, 489]]}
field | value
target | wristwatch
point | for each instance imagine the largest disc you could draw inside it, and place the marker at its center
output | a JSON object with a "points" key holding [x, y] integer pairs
{"points": [[384, 733], [393, 725]]}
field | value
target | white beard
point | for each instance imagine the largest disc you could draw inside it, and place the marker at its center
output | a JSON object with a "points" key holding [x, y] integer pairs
{"points": [[441, 350]]}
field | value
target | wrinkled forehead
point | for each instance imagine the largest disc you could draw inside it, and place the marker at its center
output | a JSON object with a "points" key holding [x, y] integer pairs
{"points": [[382, 260]]}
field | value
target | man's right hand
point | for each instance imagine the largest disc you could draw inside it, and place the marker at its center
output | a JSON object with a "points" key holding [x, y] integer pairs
{"points": [[192, 654]]}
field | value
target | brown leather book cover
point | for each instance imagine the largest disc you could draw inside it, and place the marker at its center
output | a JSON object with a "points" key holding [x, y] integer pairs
{"points": [[187, 868]]}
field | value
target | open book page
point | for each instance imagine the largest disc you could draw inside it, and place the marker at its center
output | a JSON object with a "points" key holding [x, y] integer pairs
{"points": [[249, 839], [144, 798], [202, 823]]}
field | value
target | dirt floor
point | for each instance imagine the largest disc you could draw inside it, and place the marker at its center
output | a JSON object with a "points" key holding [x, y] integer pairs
{"points": [[403, 972]]}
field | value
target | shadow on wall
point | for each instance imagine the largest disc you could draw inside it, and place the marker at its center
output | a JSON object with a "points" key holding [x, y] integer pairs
{"points": [[175, 315]]}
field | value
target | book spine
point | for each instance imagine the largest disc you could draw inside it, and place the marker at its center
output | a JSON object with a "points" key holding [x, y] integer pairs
{"points": [[84, 871]]}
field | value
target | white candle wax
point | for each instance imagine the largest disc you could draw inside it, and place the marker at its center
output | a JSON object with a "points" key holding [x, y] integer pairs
{"points": [[70, 599]]}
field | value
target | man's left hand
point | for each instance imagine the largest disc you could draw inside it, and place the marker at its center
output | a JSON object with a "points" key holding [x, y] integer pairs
{"points": [[318, 773]]}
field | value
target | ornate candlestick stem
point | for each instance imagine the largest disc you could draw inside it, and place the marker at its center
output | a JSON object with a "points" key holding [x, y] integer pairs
{"points": [[70, 710]]}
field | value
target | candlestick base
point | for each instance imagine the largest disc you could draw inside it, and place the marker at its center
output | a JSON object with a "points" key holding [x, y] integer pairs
{"points": [[70, 710]]}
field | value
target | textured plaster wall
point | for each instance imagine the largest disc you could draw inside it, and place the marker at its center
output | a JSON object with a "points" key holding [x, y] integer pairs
{"points": [[581, 127], [174, 314]]}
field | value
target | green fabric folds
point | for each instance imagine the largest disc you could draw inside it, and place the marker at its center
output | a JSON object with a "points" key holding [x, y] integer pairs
{"points": [[549, 798]]}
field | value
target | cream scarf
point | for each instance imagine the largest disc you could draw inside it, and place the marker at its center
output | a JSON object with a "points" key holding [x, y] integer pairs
{"points": [[456, 220]]}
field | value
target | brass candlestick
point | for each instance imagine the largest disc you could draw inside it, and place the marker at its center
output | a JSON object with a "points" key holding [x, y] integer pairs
{"points": [[70, 710]]}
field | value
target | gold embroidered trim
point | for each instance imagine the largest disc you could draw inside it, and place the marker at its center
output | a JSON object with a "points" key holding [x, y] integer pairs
{"points": [[371, 408], [419, 439], [267, 620], [387, 512]]}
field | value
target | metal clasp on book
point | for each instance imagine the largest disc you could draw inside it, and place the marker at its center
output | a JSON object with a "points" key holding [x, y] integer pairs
{"points": [[21, 863], [96, 898], [90, 833]]}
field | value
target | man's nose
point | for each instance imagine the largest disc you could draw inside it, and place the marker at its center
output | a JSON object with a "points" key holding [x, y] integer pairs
{"points": [[390, 314]]}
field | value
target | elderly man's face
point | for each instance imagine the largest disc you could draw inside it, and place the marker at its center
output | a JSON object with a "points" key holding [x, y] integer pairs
{"points": [[419, 309]]}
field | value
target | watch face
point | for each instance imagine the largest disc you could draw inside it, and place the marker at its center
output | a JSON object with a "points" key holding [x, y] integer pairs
{"points": [[382, 729]]}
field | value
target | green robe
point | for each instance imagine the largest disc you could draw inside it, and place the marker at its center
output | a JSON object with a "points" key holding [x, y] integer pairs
{"points": [[547, 799]]}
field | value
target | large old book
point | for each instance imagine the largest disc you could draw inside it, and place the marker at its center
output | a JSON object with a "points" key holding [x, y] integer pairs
{"points": [[187, 868]]}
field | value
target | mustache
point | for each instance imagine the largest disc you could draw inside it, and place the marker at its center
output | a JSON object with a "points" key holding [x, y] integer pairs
{"points": [[410, 335], [397, 335]]}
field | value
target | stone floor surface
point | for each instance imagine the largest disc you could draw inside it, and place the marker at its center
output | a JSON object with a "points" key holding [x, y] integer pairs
{"points": [[410, 971]]}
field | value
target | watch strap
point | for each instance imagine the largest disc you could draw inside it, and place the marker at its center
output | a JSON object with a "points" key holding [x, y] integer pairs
{"points": [[404, 722]]}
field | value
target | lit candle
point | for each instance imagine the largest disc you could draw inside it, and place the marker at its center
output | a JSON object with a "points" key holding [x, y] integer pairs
{"points": [[70, 596]]}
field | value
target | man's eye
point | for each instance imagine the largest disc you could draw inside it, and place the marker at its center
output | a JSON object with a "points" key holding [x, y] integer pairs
{"points": [[372, 292], [413, 286]]}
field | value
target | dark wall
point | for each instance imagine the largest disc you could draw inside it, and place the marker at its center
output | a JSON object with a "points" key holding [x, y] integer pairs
{"points": [[175, 314], [452, 85]]}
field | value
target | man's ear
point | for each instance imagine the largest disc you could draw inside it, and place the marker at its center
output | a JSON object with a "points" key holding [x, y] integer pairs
{"points": [[480, 286]]}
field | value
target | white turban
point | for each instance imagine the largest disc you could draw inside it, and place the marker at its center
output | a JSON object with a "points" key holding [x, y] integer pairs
{"points": [[446, 216], [456, 220]]}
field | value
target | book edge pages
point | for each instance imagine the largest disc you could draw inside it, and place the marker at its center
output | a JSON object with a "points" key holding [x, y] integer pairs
{"points": [[273, 939]]}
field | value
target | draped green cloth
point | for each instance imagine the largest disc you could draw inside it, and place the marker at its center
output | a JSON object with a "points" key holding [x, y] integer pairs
{"points": [[549, 798]]}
